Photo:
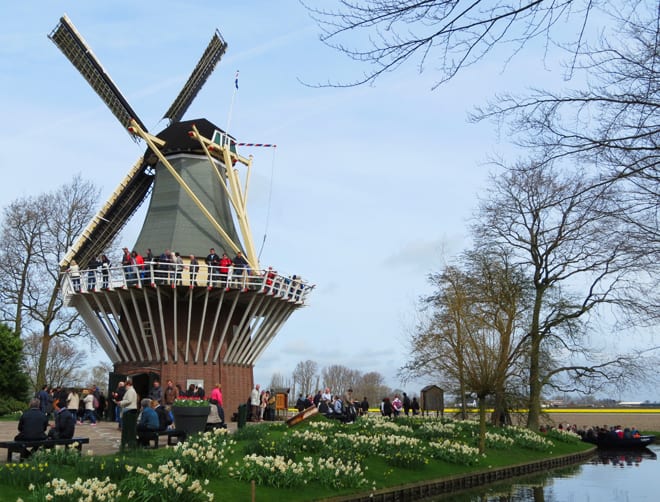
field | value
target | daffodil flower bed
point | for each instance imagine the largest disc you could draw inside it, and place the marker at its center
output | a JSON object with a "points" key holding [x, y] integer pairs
{"points": [[25, 474], [563, 435], [498, 441], [203, 455], [454, 452], [285, 473], [332, 456], [528, 439]]}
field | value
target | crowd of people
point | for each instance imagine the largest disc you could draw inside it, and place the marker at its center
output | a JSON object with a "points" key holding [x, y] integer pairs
{"points": [[346, 408], [399, 404], [168, 269], [136, 419], [613, 432], [66, 407], [85, 405], [261, 404]]}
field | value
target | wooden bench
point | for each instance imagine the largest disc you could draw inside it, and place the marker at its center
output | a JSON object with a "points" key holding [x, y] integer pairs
{"points": [[171, 434], [27, 448]]}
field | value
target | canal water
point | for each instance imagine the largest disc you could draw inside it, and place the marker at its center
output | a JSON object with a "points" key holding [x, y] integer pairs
{"points": [[621, 476]]}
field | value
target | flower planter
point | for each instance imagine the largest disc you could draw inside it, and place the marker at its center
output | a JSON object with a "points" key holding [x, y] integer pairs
{"points": [[191, 419]]}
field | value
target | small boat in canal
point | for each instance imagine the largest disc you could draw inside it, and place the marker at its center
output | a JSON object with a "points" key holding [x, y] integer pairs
{"points": [[611, 441]]}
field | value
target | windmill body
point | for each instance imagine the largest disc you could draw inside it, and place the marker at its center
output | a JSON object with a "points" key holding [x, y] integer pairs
{"points": [[188, 322], [173, 220]]}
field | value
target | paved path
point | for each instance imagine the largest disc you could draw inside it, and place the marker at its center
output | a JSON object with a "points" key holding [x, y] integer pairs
{"points": [[104, 438]]}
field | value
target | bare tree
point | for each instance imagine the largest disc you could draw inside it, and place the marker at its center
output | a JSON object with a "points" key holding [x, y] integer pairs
{"points": [[339, 378], [473, 341], [611, 123], [100, 376], [64, 366], [448, 35], [304, 376], [277, 381], [372, 386], [36, 234], [561, 232]]}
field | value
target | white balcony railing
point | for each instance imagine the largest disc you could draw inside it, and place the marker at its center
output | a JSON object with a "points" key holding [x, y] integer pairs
{"points": [[154, 274]]}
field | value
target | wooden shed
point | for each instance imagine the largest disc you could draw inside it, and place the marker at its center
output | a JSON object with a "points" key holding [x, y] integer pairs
{"points": [[432, 399]]}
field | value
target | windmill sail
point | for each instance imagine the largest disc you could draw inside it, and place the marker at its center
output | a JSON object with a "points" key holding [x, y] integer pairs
{"points": [[214, 51], [74, 47]]}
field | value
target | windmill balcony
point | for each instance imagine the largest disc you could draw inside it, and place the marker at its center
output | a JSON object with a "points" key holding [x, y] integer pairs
{"points": [[153, 274], [162, 316]]}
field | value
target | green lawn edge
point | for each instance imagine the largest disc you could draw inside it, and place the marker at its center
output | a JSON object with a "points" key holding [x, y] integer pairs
{"points": [[386, 478]]}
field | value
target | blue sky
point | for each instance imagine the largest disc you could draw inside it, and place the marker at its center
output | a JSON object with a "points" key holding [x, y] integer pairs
{"points": [[368, 191]]}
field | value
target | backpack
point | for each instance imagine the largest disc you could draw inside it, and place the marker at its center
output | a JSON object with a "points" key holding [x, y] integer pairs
{"points": [[96, 403]]}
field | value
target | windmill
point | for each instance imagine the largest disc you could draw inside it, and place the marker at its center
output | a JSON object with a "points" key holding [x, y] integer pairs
{"points": [[165, 320]]}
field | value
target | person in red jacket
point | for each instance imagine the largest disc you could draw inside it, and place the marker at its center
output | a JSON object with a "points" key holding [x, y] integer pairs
{"points": [[225, 264]]}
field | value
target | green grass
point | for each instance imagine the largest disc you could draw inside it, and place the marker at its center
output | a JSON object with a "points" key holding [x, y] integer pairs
{"points": [[265, 438]]}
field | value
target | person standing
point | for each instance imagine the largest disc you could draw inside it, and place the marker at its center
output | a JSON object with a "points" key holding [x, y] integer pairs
{"points": [[165, 267], [255, 401], [90, 412], [414, 406], [225, 269], [240, 267], [212, 264], [397, 405], [170, 394], [193, 268], [406, 404], [74, 273], [117, 396], [263, 403], [364, 406], [138, 263], [178, 269], [73, 403], [129, 406], [156, 392], [44, 398], [93, 268], [216, 398], [32, 424], [105, 271]]}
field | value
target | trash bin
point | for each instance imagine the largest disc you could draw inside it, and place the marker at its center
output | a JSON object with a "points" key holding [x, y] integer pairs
{"points": [[242, 415]]}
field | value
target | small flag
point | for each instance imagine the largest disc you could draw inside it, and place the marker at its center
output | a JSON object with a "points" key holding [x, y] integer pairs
{"points": [[236, 80]]}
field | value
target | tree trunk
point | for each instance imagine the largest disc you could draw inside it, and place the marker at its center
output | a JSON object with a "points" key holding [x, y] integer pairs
{"points": [[534, 406], [500, 414], [482, 424], [43, 359]]}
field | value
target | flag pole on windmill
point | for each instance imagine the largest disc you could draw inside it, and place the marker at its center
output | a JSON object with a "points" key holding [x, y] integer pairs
{"points": [[231, 106]]}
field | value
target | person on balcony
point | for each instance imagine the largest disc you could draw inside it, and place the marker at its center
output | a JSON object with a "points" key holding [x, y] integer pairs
{"points": [[105, 271], [127, 265], [212, 263], [225, 268], [193, 268], [74, 273], [241, 268], [94, 265]]}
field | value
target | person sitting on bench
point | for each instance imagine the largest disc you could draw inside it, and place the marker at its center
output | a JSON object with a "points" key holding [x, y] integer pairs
{"points": [[65, 424], [164, 418], [148, 424], [32, 424]]}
